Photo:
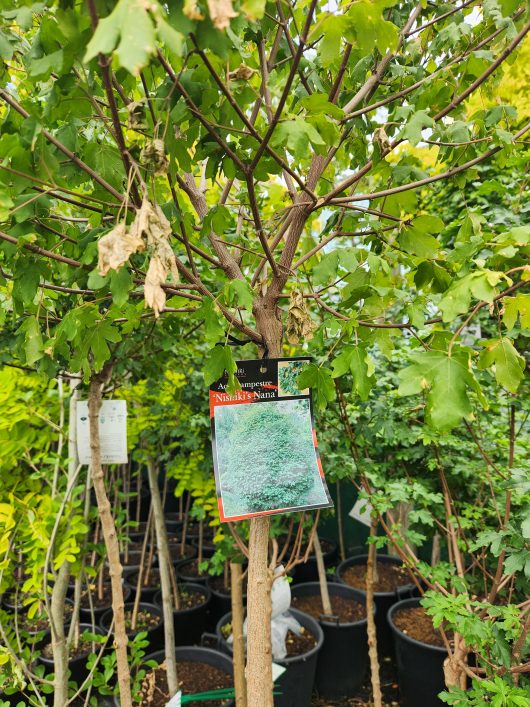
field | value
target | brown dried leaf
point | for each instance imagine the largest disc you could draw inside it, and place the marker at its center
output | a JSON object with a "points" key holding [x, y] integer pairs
{"points": [[116, 246], [136, 115], [299, 323], [154, 295], [242, 73], [152, 226], [191, 10], [220, 12], [153, 157]]}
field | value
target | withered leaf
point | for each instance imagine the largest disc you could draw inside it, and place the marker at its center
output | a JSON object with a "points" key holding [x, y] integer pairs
{"points": [[154, 295], [153, 157], [221, 11], [116, 246], [299, 323], [136, 115], [191, 10]]}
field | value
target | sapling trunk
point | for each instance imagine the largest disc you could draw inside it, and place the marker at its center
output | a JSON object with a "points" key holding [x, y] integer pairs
{"points": [[200, 547], [185, 526], [240, 682], [111, 543], [259, 651], [322, 578], [164, 564], [58, 638], [340, 524], [225, 578], [139, 581], [372, 633]]}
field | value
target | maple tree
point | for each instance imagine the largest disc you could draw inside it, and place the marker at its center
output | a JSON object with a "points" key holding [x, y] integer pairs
{"points": [[252, 167]]}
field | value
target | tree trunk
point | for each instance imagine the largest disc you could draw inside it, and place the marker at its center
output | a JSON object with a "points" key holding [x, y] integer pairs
{"points": [[322, 578], [372, 633], [164, 561], [260, 576], [259, 651], [240, 683], [111, 542], [58, 638]]}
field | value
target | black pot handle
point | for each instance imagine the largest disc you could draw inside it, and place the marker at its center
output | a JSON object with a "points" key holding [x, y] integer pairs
{"points": [[209, 639]]}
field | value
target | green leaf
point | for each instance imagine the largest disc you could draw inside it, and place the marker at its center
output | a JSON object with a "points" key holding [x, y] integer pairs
{"points": [[457, 298], [213, 330], [356, 360], [130, 30], [241, 291], [120, 285], [368, 28], [172, 39], [518, 305], [6, 50], [6, 204], [219, 360], [447, 382], [42, 68], [254, 9], [416, 123], [295, 134], [33, 341], [320, 380], [417, 242], [509, 364]]}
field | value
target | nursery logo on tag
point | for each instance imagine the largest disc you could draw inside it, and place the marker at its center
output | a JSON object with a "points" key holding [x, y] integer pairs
{"points": [[112, 432]]}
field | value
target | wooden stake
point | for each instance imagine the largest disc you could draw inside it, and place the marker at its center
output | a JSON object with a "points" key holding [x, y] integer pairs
{"points": [[322, 578]]}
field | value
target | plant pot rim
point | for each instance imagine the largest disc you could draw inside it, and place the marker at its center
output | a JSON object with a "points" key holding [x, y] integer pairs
{"points": [[316, 629], [401, 589], [201, 588], [333, 586], [217, 593], [405, 604], [82, 627], [143, 605]]}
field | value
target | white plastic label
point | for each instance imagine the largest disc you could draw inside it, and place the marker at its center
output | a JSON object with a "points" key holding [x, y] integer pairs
{"points": [[176, 700], [361, 511], [112, 432], [280, 594], [277, 671]]}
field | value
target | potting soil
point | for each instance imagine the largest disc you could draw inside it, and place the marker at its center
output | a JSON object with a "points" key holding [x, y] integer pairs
{"points": [[192, 677], [346, 610], [390, 577]]}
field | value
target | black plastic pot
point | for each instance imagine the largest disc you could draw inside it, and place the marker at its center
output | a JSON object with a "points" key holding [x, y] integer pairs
{"points": [[221, 603], [185, 575], [295, 686], [190, 552], [196, 655], [308, 572], [77, 666], [383, 600], [420, 666], [208, 546], [155, 635], [190, 624], [86, 614], [132, 562], [146, 593], [343, 660]]}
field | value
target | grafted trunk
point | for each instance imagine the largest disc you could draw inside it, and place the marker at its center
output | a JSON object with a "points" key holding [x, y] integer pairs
{"points": [[111, 543]]}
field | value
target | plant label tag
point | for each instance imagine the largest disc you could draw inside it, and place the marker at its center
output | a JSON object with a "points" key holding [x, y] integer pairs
{"points": [[361, 511], [277, 671], [280, 594], [264, 442], [176, 700], [112, 432]]}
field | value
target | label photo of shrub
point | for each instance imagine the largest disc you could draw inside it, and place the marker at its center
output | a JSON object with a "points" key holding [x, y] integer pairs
{"points": [[266, 459]]}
